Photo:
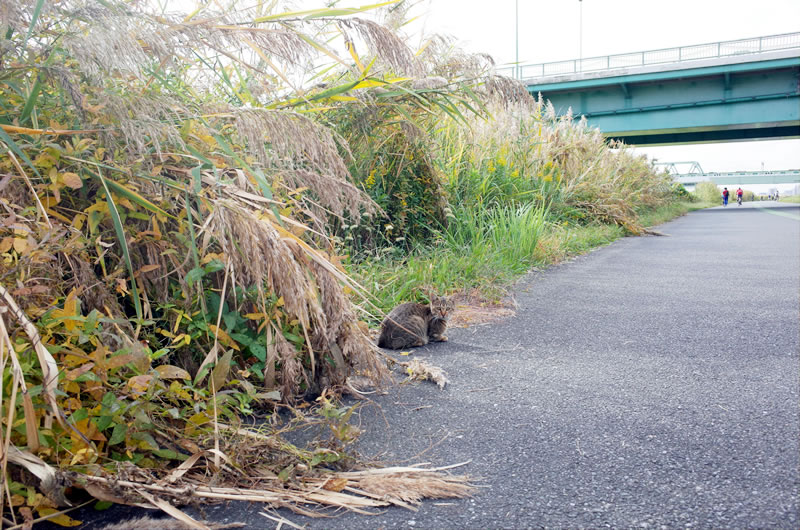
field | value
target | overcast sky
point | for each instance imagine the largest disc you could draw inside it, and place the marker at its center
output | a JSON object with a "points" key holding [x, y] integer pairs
{"points": [[549, 30]]}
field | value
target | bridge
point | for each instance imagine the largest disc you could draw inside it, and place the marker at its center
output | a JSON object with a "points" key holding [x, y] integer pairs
{"points": [[741, 178], [689, 173], [733, 90]]}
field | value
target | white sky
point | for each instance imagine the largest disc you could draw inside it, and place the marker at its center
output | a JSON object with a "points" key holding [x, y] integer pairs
{"points": [[549, 30]]}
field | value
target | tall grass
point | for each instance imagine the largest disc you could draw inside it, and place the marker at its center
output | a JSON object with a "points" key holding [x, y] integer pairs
{"points": [[708, 192], [482, 249]]}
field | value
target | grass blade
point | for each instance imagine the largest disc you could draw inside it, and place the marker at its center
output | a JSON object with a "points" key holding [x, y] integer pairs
{"points": [[115, 218]]}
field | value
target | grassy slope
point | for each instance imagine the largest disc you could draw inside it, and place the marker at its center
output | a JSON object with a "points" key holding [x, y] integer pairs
{"points": [[447, 269]]}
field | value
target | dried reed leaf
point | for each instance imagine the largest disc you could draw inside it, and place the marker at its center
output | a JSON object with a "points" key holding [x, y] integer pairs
{"points": [[50, 482], [421, 370], [173, 511], [46, 360], [415, 487]]}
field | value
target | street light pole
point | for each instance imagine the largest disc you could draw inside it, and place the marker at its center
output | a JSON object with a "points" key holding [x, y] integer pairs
{"points": [[580, 35], [516, 38]]}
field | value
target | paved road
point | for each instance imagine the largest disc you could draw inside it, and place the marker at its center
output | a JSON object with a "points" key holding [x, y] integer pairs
{"points": [[651, 382]]}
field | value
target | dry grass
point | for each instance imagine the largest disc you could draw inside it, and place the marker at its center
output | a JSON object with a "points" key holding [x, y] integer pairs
{"points": [[421, 370]]}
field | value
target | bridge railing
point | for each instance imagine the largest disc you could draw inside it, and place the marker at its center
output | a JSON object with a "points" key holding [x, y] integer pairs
{"points": [[666, 55]]}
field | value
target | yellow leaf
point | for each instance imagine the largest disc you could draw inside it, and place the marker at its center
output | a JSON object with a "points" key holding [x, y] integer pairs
{"points": [[5, 244], [352, 49], [183, 337], [178, 390], [146, 269], [210, 256], [168, 371], [224, 338], [254, 316], [99, 206], [369, 83], [61, 519], [335, 484], [156, 230], [72, 180], [49, 201], [140, 383], [343, 98], [20, 245], [78, 220]]}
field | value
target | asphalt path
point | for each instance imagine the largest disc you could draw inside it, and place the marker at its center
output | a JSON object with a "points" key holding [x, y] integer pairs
{"points": [[653, 382]]}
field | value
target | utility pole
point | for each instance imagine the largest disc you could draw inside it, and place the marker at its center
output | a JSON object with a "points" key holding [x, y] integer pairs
{"points": [[516, 39], [580, 34]]}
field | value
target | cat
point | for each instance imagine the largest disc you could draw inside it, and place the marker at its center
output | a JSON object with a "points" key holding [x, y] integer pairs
{"points": [[411, 324]]}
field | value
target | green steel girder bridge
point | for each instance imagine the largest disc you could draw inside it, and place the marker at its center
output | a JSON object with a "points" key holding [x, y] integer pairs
{"points": [[733, 90], [689, 173], [742, 178]]}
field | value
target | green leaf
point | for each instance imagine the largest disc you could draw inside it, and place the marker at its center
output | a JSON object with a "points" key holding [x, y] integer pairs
{"points": [[147, 438], [123, 242], [109, 399], [103, 505], [242, 338], [80, 414], [213, 266], [103, 422], [34, 18], [12, 145], [169, 454], [195, 275], [118, 434], [129, 194], [32, 97], [258, 351]]}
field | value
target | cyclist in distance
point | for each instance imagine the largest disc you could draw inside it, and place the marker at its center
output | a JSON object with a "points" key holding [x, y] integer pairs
{"points": [[739, 193], [725, 194]]}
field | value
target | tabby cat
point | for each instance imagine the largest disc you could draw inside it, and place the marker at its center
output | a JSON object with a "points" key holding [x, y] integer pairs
{"points": [[411, 324]]}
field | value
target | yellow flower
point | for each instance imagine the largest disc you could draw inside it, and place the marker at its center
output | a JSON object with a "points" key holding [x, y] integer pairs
{"points": [[491, 167], [501, 161], [515, 173], [370, 179]]}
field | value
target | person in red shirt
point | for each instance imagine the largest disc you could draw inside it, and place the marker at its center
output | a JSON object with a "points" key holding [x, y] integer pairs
{"points": [[725, 194], [739, 193]]}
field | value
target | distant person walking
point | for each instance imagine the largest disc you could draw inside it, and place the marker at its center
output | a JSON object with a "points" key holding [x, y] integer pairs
{"points": [[725, 194], [739, 194]]}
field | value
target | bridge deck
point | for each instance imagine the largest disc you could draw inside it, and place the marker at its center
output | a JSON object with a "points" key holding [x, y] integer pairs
{"points": [[736, 97]]}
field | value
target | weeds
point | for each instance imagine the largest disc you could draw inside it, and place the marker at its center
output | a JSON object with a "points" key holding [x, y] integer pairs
{"points": [[180, 196]]}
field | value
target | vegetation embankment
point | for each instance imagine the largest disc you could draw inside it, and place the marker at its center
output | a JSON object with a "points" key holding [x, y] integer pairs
{"points": [[524, 188], [180, 195], [791, 198]]}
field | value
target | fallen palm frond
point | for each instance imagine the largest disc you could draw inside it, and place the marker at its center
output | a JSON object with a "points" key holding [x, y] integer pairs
{"points": [[422, 370]]}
